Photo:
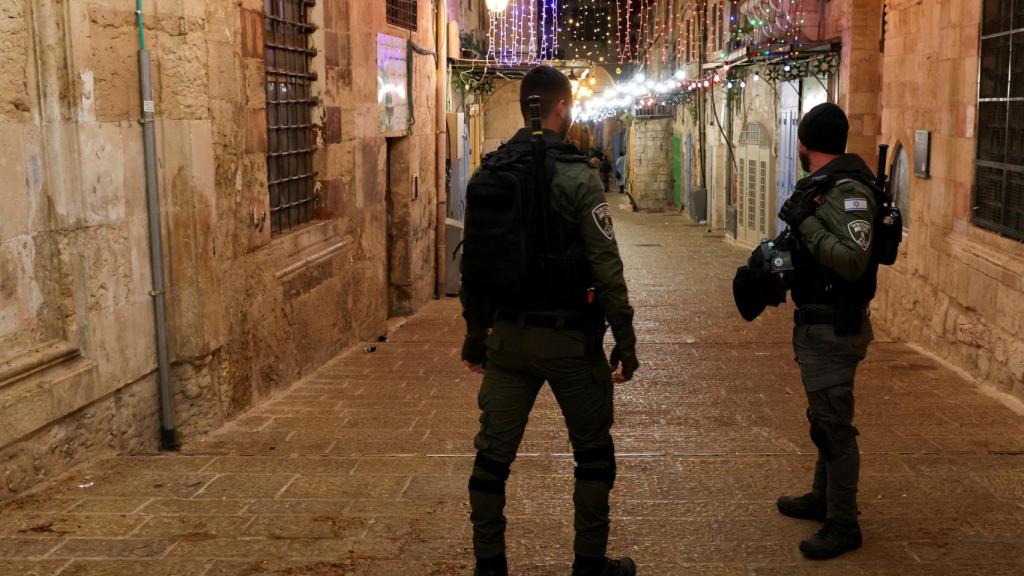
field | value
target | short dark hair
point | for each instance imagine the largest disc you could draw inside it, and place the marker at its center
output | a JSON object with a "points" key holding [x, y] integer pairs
{"points": [[548, 83]]}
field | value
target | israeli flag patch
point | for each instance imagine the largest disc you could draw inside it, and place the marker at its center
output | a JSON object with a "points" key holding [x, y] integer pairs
{"points": [[856, 204]]}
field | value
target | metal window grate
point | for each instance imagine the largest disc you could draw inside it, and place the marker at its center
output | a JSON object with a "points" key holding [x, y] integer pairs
{"points": [[291, 141], [763, 198], [402, 13], [999, 179]]}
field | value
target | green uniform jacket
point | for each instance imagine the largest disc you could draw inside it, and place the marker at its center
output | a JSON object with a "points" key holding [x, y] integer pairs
{"points": [[839, 235], [840, 232], [577, 195]]}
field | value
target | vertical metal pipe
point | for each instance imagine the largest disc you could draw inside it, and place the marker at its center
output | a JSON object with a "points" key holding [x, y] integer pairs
{"points": [[441, 143], [168, 433]]}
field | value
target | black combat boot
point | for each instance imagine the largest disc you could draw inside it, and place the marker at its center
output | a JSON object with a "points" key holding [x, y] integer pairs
{"points": [[497, 566], [831, 541], [806, 507], [603, 567]]}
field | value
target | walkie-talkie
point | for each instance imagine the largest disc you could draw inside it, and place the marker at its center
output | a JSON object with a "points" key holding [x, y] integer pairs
{"points": [[889, 221]]}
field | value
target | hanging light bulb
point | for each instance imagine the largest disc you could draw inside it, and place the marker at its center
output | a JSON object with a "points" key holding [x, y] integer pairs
{"points": [[497, 5]]}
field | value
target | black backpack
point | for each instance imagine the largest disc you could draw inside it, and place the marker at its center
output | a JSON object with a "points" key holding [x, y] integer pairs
{"points": [[516, 251]]}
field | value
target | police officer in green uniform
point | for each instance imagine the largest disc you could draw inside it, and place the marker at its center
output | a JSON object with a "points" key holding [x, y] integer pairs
{"points": [[833, 212], [552, 334]]}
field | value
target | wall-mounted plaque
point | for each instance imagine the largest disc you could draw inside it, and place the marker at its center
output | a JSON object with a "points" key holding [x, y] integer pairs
{"points": [[922, 153]]}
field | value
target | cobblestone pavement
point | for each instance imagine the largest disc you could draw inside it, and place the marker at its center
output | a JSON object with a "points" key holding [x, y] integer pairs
{"points": [[361, 468]]}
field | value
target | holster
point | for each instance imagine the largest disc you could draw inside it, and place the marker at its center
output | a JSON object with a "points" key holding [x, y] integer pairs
{"points": [[595, 334]]}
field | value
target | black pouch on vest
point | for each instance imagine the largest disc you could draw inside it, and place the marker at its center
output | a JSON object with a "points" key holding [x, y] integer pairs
{"points": [[849, 320]]}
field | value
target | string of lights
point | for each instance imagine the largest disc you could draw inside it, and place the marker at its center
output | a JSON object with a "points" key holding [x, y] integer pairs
{"points": [[590, 26], [641, 92], [523, 31]]}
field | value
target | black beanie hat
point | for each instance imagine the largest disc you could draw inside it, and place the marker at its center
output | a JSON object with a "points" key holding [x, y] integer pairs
{"points": [[825, 129]]}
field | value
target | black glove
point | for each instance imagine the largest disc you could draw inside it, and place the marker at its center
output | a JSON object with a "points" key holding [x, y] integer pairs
{"points": [[474, 350], [794, 213], [625, 355]]}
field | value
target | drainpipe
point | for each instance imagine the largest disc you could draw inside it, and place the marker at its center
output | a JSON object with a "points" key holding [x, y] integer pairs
{"points": [[441, 120], [168, 433]]}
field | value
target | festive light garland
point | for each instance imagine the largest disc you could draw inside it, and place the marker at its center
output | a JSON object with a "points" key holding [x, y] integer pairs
{"points": [[523, 34], [590, 29], [634, 42], [641, 92]]}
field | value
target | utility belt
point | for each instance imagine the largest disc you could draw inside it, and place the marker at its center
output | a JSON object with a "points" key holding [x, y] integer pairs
{"points": [[555, 321], [847, 321]]}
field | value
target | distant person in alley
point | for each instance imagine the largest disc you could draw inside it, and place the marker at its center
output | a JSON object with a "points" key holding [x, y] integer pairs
{"points": [[620, 172], [832, 215], [541, 279]]}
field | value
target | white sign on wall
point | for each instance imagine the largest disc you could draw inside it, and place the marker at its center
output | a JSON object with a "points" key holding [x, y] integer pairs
{"points": [[392, 85]]}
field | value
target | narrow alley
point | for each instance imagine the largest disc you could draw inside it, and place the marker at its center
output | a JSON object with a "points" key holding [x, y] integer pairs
{"points": [[361, 467]]}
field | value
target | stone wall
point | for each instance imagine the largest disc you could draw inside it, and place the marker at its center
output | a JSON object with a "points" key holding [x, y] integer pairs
{"points": [[958, 288], [249, 312], [502, 115], [857, 24], [651, 161]]}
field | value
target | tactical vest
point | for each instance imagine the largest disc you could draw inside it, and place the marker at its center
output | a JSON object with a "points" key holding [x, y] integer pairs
{"points": [[814, 283], [519, 251]]}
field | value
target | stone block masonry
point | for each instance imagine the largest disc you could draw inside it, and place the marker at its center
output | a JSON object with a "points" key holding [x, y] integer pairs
{"points": [[652, 164], [957, 289], [249, 311]]}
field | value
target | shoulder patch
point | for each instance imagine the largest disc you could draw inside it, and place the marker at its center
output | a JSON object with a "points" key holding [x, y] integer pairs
{"points": [[860, 231], [856, 204], [603, 220]]}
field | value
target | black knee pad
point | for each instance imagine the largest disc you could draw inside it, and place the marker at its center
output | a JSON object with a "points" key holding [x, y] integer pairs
{"points": [[596, 464], [498, 470], [832, 439]]}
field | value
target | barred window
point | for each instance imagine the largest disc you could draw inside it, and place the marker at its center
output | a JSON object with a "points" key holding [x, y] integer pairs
{"points": [[402, 13], [999, 180], [290, 138]]}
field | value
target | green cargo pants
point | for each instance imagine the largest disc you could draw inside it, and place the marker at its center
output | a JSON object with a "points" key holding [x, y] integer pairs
{"points": [[828, 365], [519, 360]]}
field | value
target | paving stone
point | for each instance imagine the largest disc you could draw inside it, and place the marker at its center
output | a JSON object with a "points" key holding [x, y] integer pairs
{"points": [[173, 567], [27, 548], [60, 525], [108, 505], [175, 506], [31, 567], [112, 548], [276, 567], [246, 486], [326, 549], [192, 527], [335, 487]]}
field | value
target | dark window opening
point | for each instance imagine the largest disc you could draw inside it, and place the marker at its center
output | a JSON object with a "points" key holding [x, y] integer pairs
{"points": [[290, 137], [999, 179], [402, 13]]}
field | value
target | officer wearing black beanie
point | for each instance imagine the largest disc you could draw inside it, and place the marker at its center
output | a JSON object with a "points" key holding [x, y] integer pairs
{"points": [[825, 129], [832, 213]]}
